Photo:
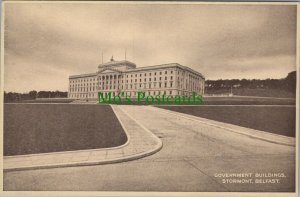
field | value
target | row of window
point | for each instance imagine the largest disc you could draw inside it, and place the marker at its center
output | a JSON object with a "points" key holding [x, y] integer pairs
{"points": [[135, 80], [147, 93], [110, 77], [153, 93], [110, 82], [90, 95], [82, 80], [150, 85], [106, 87], [140, 85], [145, 74]]}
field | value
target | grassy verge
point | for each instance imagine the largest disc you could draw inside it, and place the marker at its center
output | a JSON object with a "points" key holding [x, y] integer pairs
{"points": [[30, 129], [278, 120], [261, 92], [247, 101]]}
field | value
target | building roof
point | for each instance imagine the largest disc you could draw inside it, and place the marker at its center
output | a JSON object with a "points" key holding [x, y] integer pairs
{"points": [[160, 66], [133, 69], [116, 63], [82, 75]]}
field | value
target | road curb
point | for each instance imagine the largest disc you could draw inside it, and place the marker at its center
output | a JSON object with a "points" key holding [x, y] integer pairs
{"points": [[129, 157]]}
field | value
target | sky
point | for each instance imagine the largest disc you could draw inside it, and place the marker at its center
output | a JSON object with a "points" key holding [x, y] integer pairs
{"points": [[45, 43]]}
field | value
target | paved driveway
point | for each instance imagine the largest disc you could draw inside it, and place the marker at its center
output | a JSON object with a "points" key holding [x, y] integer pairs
{"points": [[192, 154]]}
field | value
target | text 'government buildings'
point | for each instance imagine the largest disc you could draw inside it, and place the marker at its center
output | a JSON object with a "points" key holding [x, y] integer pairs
{"points": [[124, 76]]}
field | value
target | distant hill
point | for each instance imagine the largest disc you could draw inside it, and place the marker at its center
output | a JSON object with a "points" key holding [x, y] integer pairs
{"points": [[285, 87]]}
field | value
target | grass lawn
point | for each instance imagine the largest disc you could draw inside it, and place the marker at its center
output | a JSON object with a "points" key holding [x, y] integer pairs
{"points": [[43, 128], [262, 92], [274, 119], [247, 101]]}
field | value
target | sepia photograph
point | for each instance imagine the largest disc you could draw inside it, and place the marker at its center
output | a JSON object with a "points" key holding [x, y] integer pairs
{"points": [[149, 97]]}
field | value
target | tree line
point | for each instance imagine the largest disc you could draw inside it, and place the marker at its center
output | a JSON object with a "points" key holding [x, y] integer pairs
{"points": [[288, 83], [14, 96]]}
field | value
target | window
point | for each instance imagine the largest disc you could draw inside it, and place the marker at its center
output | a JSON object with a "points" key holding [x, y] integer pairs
{"points": [[166, 72], [165, 85], [165, 78], [149, 79], [145, 74], [171, 71], [150, 74], [154, 74], [171, 77], [160, 73], [154, 78]]}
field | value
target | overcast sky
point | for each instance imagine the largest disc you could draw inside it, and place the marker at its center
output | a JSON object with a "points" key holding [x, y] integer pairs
{"points": [[47, 42]]}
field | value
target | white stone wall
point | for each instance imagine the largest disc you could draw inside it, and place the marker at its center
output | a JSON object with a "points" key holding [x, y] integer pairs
{"points": [[83, 87], [157, 81]]}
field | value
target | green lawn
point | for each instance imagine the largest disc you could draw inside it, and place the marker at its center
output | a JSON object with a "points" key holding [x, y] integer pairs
{"points": [[235, 100], [273, 119], [43, 128], [262, 92]]}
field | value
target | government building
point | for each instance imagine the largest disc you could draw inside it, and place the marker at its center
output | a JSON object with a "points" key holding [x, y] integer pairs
{"points": [[124, 76]]}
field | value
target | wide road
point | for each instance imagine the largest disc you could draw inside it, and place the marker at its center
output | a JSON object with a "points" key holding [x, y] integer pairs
{"points": [[193, 154]]}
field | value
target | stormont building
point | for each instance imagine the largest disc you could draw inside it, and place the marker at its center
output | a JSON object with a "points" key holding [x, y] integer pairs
{"points": [[124, 76]]}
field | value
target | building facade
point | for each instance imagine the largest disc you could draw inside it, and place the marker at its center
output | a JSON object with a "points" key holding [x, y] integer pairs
{"points": [[124, 76]]}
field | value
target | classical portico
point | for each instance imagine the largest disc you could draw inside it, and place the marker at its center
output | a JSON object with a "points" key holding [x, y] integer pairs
{"points": [[124, 76]]}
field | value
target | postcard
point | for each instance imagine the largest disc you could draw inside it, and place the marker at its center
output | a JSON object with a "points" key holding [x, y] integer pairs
{"points": [[149, 98]]}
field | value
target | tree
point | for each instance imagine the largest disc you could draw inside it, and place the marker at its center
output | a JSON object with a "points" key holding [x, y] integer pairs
{"points": [[33, 94], [290, 82]]}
